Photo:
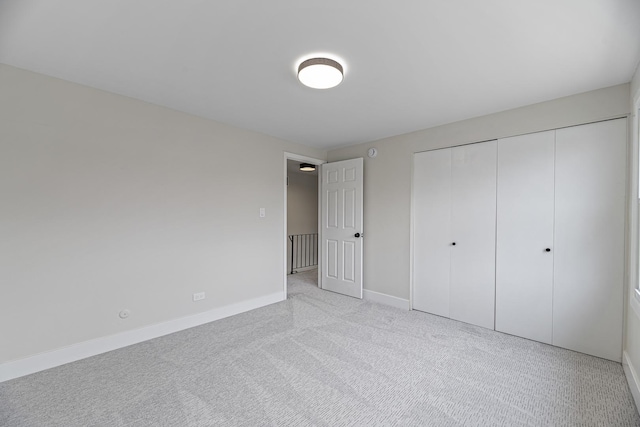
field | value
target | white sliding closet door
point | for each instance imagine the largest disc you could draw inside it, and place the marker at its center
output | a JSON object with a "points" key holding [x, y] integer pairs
{"points": [[589, 238], [432, 224], [524, 255], [473, 230]]}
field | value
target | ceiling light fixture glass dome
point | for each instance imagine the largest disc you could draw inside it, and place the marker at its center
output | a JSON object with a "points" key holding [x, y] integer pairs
{"points": [[307, 167], [320, 73]]}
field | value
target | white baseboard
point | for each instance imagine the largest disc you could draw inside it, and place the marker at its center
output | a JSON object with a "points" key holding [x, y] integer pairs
{"points": [[385, 299], [302, 269], [632, 378], [82, 350]]}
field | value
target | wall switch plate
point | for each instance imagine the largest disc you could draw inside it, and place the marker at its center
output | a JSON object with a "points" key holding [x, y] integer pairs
{"points": [[198, 296], [263, 212]]}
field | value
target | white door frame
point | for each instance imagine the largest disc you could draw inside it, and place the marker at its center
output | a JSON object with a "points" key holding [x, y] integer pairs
{"points": [[633, 245], [313, 161]]}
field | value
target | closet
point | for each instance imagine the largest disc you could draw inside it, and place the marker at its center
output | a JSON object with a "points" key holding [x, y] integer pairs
{"points": [[557, 236], [455, 234], [524, 241], [589, 238]]}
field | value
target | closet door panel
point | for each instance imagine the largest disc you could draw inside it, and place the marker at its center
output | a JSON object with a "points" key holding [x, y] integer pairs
{"points": [[589, 238], [524, 269], [473, 220], [432, 221]]}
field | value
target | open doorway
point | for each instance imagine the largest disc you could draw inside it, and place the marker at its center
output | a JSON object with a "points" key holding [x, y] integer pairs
{"points": [[302, 238], [303, 252], [339, 225], [302, 217]]}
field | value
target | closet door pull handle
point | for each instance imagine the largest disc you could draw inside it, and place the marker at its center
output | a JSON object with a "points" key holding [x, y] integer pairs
{"points": [[548, 250], [453, 244]]}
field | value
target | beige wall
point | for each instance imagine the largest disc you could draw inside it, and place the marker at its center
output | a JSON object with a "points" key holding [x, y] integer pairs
{"points": [[302, 206], [111, 203], [387, 178]]}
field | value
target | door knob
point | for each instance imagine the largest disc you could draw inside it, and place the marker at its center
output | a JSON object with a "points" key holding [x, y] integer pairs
{"points": [[357, 235], [453, 244], [548, 250]]}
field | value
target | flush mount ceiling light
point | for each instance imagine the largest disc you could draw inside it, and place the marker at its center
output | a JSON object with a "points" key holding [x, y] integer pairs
{"points": [[307, 167], [320, 73]]}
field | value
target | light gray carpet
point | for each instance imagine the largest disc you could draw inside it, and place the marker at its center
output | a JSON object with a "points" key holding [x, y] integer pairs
{"points": [[325, 359]]}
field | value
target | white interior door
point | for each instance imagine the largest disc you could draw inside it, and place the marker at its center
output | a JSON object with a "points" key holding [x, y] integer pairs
{"points": [[341, 221], [432, 231], [589, 238], [473, 230], [524, 267]]}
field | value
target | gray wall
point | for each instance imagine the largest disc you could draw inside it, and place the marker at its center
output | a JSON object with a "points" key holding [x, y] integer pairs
{"points": [[387, 178], [632, 324], [302, 203], [111, 203]]}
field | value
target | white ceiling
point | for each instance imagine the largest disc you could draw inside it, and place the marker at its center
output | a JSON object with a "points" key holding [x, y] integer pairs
{"points": [[409, 64]]}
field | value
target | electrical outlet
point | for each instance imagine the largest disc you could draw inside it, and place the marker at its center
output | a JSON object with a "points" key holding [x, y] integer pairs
{"points": [[198, 296]]}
